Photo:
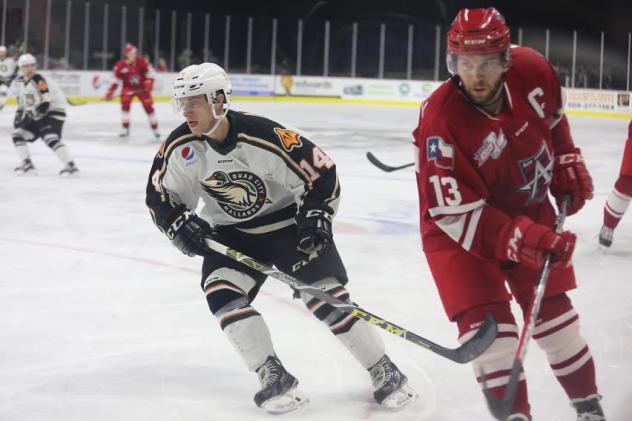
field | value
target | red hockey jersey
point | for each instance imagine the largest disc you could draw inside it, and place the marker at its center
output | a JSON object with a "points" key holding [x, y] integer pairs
{"points": [[476, 171], [626, 162], [133, 75]]}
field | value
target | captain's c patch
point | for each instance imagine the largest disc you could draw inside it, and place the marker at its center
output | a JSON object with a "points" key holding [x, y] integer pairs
{"points": [[289, 138]]}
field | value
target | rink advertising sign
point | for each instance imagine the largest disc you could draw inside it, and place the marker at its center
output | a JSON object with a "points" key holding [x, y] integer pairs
{"points": [[591, 100], [307, 86], [252, 85], [87, 85]]}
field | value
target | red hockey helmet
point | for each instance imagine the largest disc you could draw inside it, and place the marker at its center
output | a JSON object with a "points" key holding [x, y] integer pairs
{"points": [[129, 48], [478, 31]]}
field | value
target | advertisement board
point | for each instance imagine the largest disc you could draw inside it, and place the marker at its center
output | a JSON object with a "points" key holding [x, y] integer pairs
{"points": [[93, 84]]}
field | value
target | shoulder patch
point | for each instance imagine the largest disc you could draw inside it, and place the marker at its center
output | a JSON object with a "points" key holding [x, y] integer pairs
{"points": [[41, 85], [289, 138], [440, 151], [161, 150]]}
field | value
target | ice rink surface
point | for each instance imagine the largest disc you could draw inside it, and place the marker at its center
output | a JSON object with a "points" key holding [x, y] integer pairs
{"points": [[102, 319]]}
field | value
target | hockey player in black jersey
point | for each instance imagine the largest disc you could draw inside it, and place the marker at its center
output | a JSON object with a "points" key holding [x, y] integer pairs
{"points": [[270, 192]]}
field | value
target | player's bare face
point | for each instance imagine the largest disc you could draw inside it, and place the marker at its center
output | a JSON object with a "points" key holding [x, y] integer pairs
{"points": [[131, 56], [197, 111], [481, 76], [28, 70]]}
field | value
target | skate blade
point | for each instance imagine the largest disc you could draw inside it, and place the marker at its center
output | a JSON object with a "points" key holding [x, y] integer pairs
{"points": [[400, 398], [31, 173], [69, 175], [289, 401]]}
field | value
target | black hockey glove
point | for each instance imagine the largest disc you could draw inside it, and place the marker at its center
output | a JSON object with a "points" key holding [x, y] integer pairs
{"points": [[22, 119], [314, 231], [43, 107], [187, 232]]}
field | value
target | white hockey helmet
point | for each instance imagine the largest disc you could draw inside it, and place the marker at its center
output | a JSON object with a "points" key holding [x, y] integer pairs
{"points": [[26, 59], [207, 79]]}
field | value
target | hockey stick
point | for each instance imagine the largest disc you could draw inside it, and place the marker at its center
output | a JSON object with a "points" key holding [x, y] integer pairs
{"points": [[501, 408], [383, 166], [463, 354], [79, 103]]}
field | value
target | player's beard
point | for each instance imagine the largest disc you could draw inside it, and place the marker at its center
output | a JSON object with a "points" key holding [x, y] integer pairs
{"points": [[491, 98]]}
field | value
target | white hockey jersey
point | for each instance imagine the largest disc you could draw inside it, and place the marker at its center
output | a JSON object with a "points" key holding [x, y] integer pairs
{"points": [[34, 91], [254, 181], [8, 68]]}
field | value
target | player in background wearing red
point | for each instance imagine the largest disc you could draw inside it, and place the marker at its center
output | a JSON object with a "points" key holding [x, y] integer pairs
{"points": [[491, 142], [619, 199], [137, 77]]}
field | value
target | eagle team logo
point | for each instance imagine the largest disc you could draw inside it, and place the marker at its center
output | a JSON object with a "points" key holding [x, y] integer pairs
{"points": [[537, 171], [240, 194], [289, 139]]}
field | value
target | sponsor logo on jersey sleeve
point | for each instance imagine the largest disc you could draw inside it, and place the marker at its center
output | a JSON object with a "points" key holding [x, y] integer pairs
{"points": [[42, 85], [440, 152], [289, 138], [189, 156], [241, 194], [492, 146]]}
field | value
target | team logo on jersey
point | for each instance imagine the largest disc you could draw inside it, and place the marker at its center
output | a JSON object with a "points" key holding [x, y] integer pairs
{"points": [[289, 139], [537, 171], [441, 152], [241, 194], [492, 146]]}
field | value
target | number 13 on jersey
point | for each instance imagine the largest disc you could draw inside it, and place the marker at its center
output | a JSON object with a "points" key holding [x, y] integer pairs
{"points": [[446, 190]]}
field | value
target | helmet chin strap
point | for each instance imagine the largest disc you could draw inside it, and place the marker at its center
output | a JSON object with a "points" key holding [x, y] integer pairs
{"points": [[218, 119]]}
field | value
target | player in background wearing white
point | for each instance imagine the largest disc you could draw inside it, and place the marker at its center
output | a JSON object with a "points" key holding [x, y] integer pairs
{"points": [[8, 71], [620, 196], [271, 193], [40, 114]]}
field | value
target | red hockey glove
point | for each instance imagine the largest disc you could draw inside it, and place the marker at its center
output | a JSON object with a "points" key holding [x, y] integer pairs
{"points": [[526, 242], [571, 176], [109, 94], [148, 84]]}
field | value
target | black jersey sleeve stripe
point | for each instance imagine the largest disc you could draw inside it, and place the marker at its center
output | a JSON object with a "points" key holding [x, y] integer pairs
{"points": [[335, 193], [262, 143]]}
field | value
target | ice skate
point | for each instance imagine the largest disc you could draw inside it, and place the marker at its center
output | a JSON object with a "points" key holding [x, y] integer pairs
{"points": [[588, 409], [156, 134], [606, 236], [278, 392], [26, 168], [69, 169], [390, 385], [518, 417], [124, 133]]}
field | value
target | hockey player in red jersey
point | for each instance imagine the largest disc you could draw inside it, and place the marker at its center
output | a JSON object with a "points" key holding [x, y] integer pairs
{"points": [[619, 198], [137, 77], [491, 142]]}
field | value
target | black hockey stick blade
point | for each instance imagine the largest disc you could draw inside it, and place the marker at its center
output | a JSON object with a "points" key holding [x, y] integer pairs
{"points": [[478, 343], [372, 158], [501, 408]]}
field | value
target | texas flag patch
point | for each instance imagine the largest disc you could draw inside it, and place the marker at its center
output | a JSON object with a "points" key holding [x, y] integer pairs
{"points": [[441, 152]]}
